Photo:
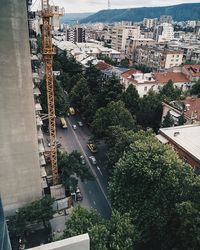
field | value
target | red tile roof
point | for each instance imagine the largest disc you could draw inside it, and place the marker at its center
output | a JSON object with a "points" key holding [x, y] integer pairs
{"points": [[130, 72], [103, 66], [193, 69], [193, 107], [174, 76]]}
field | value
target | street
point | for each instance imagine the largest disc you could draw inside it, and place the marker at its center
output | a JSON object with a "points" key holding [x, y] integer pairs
{"points": [[94, 192]]}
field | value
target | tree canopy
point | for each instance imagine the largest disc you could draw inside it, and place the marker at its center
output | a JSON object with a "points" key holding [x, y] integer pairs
{"points": [[69, 166], [151, 183], [118, 233], [113, 114]]}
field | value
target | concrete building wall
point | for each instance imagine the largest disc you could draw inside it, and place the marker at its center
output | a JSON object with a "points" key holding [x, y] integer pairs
{"points": [[19, 165], [80, 242]]}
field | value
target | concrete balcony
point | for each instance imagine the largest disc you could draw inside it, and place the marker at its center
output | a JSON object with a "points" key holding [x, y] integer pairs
{"points": [[38, 107], [41, 146], [36, 91]]}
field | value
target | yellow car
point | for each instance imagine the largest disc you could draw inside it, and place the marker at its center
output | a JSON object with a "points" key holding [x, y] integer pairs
{"points": [[92, 147]]}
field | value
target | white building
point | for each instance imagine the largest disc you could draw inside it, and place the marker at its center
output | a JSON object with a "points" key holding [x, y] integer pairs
{"points": [[121, 33], [144, 82], [164, 32], [150, 22]]}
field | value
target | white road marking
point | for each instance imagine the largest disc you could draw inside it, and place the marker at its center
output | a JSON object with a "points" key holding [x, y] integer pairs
{"points": [[90, 165], [99, 170]]}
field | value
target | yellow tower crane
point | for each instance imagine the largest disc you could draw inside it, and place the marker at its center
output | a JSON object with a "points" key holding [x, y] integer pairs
{"points": [[47, 14]]}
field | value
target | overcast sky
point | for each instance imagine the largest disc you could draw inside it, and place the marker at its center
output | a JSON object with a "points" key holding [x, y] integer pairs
{"points": [[76, 6]]}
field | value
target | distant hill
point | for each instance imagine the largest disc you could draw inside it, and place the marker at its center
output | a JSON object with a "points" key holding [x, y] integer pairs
{"points": [[71, 18], [181, 12]]}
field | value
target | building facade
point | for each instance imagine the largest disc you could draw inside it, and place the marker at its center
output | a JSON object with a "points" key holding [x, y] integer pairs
{"points": [[164, 32], [158, 58], [120, 34], [20, 180], [75, 35], [150, 22]]}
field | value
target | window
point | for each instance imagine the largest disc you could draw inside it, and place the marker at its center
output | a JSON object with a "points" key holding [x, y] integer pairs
{"points": [[196, 170], [145, 88]]}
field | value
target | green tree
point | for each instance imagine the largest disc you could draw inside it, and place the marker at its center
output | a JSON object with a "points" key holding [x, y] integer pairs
{"points": [[116, 233], [113, 114], [70, 165], [149, 181], [167, 121], [150, 111], [119, 140], [124, 63], [61, 101], [181, 120], [169, 93], [196, 88], [56, 66], [78, 92], [131, 99]]}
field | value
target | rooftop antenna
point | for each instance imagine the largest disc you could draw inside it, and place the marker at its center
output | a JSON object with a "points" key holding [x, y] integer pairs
{"points": [[109, 5]]}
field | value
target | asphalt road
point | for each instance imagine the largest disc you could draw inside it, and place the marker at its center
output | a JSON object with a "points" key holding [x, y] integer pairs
{"points": [[94, 192]]}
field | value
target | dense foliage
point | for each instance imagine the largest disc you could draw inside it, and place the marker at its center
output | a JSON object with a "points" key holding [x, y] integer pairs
{"points": [[160, 192], [181, 12], [117, 233], [70, 168]]}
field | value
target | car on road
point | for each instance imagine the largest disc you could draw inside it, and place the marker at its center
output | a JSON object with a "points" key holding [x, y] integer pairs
{"points": [[93, 160], [82, 159], [79, 196], [80, 123], [92, 147], [74, 126]]}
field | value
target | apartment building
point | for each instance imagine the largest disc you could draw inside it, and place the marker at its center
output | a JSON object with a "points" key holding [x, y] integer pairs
{"points": [[158, 58], [20, 177], [75, 35], [150, 22], [166, 19], [164, 32], [120, 33], [133, 43]]}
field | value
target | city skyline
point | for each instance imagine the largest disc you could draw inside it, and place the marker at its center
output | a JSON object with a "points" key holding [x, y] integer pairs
{"points": [[96, 5]]}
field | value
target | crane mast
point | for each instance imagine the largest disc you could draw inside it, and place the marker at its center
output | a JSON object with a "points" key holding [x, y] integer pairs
{"points": [[48, 52]]}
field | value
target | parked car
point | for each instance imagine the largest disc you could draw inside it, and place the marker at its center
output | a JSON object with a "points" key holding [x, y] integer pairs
{"points": [[93, 160], [80, 123], [74, 126], [92, 147], [79, 196], [82, 159]]}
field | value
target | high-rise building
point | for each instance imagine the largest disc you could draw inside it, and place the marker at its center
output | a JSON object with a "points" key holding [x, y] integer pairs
{"points": [[150, 22], [120, 34], [164, 32], [4, 237], [75, 35], [166, 19], [20, 180]]}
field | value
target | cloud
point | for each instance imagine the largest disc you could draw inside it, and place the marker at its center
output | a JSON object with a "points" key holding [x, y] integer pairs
{"points": [[77, 6]]}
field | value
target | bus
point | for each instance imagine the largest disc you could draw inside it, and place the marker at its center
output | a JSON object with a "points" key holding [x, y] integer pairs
{"points": [[71, 111], [63, 123]]}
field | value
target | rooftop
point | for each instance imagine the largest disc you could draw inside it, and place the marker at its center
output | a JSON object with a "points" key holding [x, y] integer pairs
{"points": [[174, 76], [187, 137], [130, 72], [103, 66], [193, 69]]}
